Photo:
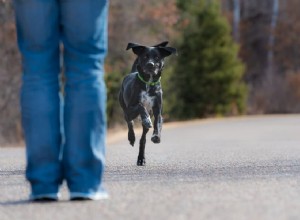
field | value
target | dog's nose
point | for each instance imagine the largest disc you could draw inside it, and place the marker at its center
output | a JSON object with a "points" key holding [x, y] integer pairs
{"points": [[150, 65]]}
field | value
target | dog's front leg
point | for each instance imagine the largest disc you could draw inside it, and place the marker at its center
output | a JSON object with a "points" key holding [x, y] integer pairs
{"points": [[158, 120], [133, 111], [146, 120], [130, 114], [141, 161]]}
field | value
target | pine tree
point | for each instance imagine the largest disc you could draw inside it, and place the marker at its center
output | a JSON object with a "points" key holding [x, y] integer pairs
{"points": [[207, 79]]}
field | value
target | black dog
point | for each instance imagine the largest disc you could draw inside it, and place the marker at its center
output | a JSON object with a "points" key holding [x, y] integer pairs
{"points": [[141, 92]]}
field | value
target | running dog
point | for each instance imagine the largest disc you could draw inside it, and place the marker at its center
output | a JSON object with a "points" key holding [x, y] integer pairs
{"points": [[141, 92]]}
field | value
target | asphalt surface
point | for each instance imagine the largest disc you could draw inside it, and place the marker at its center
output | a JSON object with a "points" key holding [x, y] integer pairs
{"points": [[238, 168]]}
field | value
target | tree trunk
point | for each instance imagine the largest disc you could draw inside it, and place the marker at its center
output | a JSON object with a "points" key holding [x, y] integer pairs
{"points": [[236, 20], [271, 42]]}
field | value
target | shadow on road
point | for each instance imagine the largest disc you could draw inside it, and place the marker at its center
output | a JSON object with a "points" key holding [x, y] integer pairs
{"points": [[17, 202], [227, 172]]}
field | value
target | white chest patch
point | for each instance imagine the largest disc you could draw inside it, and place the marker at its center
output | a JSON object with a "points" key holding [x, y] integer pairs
{"points": [[146, 100]]}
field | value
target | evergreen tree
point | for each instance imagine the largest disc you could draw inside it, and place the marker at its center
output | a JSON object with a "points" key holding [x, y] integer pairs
{"points": [[207, 79], [113, 110]]}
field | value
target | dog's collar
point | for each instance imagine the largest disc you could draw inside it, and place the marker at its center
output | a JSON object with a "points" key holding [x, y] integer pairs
{"points": [[148, 83]]}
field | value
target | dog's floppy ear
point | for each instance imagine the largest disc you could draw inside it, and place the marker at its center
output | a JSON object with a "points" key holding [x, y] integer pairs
{"points": [[162, 44], [136, 48], [167, 51]]}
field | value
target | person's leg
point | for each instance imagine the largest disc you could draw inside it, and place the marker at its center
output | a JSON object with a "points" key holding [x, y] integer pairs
{"points": [[38, 40], [84, 35]]}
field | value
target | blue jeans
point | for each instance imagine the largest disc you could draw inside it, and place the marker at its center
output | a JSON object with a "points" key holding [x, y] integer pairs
{"points": [[81, 26]]}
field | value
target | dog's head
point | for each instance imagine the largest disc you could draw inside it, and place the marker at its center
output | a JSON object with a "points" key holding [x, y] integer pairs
{"points": [[150, 60]]}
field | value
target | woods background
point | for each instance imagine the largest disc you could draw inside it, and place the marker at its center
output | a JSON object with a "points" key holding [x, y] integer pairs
{"points": [[267, 33]]}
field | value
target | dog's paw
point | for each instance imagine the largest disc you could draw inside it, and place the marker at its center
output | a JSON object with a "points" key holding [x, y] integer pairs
{"points": [[141, 162], [131, 138], [147, 122], [155, 139]]}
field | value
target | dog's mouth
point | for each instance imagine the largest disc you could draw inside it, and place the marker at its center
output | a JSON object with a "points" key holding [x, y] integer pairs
{"points": [[151, 69]]}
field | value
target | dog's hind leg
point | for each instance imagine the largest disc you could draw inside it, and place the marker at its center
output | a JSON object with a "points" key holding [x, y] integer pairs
{"points": [[141, 161], [131, 135]]}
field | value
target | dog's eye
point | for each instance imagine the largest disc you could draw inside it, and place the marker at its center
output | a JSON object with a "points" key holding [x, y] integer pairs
{"points": [[146, 57], [156, 58]]}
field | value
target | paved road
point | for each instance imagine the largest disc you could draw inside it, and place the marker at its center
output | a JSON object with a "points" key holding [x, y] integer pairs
{"points": [[239, 168]]}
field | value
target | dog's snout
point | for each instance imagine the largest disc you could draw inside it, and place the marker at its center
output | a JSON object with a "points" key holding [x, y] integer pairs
{"points": [[150, 65]]}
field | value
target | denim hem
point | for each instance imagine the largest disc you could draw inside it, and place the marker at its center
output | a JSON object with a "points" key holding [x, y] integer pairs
{"points": [[55, 196], [91, 196]]}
